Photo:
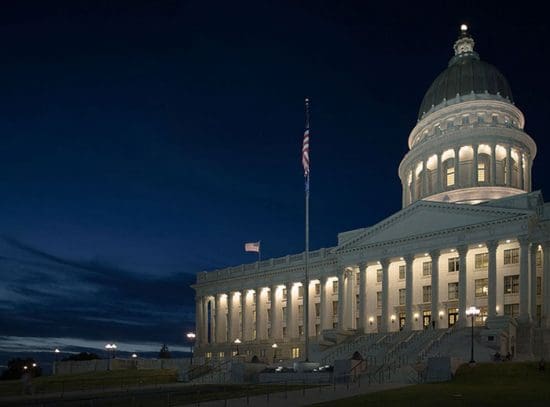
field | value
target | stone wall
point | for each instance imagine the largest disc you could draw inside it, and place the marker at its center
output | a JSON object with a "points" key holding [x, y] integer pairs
{"points": [[101, 365]]}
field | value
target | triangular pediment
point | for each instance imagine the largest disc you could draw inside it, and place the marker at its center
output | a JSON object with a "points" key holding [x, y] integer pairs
{"points": [[424, 217]]}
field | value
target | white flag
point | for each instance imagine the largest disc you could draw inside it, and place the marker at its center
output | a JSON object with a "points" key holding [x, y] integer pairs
{"points": [[252, 247]]}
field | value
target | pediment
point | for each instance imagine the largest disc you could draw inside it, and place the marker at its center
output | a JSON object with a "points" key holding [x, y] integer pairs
{"points": [[424, 217]]}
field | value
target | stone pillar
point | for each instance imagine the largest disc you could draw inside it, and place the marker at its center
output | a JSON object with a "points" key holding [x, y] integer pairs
{"points": [[425, 178], [409, 323], [363, 319], [523, 278], [220, 329], [289, 311], [509, 165], [493, 173], [214, 316], [199, 317], [528, 171], [439, 186], [260, 317], [244, 312], [521, 172], [230, 318], [435, 286], [413, 186], [533, 282], [457, 168], [492, 277], [462, 284], [475, 178], [546, 284], [385, 295], [323, 311], [275, 314], [341, 300]]}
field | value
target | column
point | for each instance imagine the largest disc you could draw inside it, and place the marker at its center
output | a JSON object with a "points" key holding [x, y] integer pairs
{"points": [[439, 186], [260, 318], [492, 276], [323, 304], [213, 316], [275, 311], [457, 168], [219, 336], [230, 318], [435, 286], [474, 172], [350, 301], [523, 278], [341, 299], [409, 323], [385, 295], [493, 173], [509, 165], [546, 284], [199, 316], [413, 186], [289, 314], [521, 171], [528, 173], [462, 284], [533, 282], [244, 307], [425, 178], [363, 319]]}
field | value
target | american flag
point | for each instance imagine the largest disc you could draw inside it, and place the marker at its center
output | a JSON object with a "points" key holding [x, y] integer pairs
{"points": [[252, 247], [305, 153]]}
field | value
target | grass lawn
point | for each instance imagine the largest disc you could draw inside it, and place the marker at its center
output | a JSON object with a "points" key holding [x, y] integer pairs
{"points": [[486, 384]]}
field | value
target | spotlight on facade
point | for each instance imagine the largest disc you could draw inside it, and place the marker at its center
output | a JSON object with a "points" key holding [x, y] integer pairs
{"points": [[416, 316], [453, 250], [392, 319], [371, 320], [441, 313], [480, 245], [507, 240]]}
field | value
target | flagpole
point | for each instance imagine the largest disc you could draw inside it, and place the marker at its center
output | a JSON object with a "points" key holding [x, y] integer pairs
{"points": [[306, 288]]}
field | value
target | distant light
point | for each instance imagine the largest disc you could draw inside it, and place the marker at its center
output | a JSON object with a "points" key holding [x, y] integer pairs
{"points": [[56, 350], [463, 28], [480, 245], [401, 258], [507, 240], [191, 335], [237, 341], [453, 250], [473, 311], [34, 365], [25, 367], [134, 355], [426, 254], [274, 346]]}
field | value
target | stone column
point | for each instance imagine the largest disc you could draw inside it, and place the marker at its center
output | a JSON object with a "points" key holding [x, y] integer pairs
{"points": [[385, 295], [413, 186], [492, 277], [439, 186], [260, 317], [475, 179], [425, 178], [409, 323], [457, 168], [509, 165], [521, 172], [533, 282], [199, 317], [289, 312], [523, 278], [323, 304], [220, 331], [546, 284], [493, 173], [363, 319], [341, 300], [275, 311], [214, 316], [528, 171], [230, 318], [435, 286], [462, 284], [244, 324]]}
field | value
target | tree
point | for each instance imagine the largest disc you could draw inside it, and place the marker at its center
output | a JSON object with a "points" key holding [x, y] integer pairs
{"points": [[81, 356], [164, 352], [16, 368]]}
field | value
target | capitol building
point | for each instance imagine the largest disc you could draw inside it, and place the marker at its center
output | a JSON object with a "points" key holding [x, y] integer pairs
{"points": [[471, 232]]}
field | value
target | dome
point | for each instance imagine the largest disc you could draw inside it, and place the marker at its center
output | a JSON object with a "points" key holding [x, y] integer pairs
{"points": [[466, 74]]}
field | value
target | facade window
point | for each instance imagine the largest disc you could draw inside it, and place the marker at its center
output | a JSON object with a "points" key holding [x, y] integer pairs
{"points": [[301, 291], [300, 330], [481, 287], [511, 284], [512, 310], [427, 268], [317, 309], [335, 286], [317, 289], [334, 308], [481, 261], [427, 293], [450, 176], [453, 264], [511, 256], [208, 355], [379, 275], [481, 317], [539, 285], [402, 296], [357, 278], [284, 314], [539, 258], [300, 311], [221, 355], [284, 293], [254, 298], [317, 329], [379, 299], [481, 172], [402, 272], [295, 353], [284, 331], [452, 291]]}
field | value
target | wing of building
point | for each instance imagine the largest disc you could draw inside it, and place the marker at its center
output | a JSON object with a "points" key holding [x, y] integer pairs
{"points": [[471, 233]]}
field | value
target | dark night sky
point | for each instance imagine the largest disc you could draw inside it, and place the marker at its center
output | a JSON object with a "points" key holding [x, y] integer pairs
{"points": [[143, 142]]}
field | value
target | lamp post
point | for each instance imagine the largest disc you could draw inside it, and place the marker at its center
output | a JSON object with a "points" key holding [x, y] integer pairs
{"points": [[274, 346], [472, 312], [191, 336], [111, 348], [134, 356], [56, 352], [237, 342]]}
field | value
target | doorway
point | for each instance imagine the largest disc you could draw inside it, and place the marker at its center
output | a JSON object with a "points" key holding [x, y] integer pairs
{"points": [[453, 316]]}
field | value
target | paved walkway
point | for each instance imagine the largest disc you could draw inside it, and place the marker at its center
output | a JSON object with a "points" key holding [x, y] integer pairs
{"points": [[304, 397]]}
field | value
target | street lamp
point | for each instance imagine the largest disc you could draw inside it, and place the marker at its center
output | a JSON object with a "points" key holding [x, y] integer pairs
{"points": [[111, 347], [56, 352], [191, 336], [134, 356], [274, 346], [472, 312], [237, 342]]}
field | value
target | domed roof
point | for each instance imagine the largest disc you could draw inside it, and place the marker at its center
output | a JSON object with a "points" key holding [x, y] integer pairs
{"points": [[466, 74]]}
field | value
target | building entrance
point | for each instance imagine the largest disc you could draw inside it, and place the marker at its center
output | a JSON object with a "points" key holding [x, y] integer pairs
{"points": [[453, 316], [402, 320], [426, 319]]}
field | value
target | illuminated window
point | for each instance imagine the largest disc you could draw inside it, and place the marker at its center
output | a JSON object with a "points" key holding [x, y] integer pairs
{"points": [[284, 293], [379, 275], [511, 256], [301, 330], [317, 289], [427, 268], [357, 278], [221, 355], [511, 284], [481, 260], [208, 355], [453, 264], [379, 299], [453, 291], [427, 293], [300, 311], [481, 287], [301, 291], [402, 296], [402, 272], [335, 286], [295, 353], [539, 258], [481, 172], [450, 178], [511, 310]]}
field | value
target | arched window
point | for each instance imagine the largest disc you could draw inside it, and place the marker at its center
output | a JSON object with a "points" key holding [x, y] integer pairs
{"points": [[483, 168], [448, 167]]}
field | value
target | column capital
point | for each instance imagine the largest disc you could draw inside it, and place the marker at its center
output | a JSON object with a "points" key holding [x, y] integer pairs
{"points": [[384, 263], [491, 245], [462, 250], [434, 254], [409, 258], [534, 247], [323, 279], [523, 240], [362, 265]]}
